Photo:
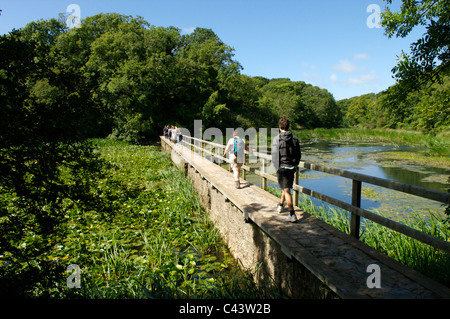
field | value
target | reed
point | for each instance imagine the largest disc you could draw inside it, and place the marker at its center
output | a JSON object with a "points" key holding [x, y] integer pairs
{"points": [[421, 257], [432, 143]]}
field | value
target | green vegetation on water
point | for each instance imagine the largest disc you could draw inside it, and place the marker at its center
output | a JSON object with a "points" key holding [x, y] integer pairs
{"points": [[433, 150], [159, 243]]}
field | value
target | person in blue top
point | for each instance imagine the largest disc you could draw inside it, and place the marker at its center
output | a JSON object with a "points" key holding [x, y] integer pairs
{"points": [[237, 147], [286, 155]]}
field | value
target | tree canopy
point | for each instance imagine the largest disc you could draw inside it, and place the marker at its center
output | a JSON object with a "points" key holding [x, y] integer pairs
{"points": [[430, 55], [122, 76]]}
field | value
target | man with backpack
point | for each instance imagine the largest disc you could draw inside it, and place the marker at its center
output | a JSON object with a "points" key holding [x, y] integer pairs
{"points": [[286, 155], [237, 157]]}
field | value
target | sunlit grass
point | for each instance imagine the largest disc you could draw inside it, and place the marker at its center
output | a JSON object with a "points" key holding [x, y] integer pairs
{"points": [[427, 260]]}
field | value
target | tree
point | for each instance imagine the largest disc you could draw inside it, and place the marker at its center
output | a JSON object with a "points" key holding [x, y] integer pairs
{"points": [[321, 109], [44, 167], [204, 65], [432, 110], [430, 56]]}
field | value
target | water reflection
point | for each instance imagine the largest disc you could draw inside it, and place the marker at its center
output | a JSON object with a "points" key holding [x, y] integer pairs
{"points": [[361, 159], [367, 159]]}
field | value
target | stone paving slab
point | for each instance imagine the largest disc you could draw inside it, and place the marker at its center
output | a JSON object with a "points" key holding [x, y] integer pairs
{"points": [[337, 259]]}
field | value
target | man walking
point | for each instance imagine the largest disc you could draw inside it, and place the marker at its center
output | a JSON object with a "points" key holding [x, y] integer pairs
{"points": [[286, 155]]}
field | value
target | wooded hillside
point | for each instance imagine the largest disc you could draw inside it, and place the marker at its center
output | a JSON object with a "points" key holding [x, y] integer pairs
{"points": [[118, 75]]}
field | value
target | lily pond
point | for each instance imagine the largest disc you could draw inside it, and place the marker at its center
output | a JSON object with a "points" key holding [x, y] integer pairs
{"points": [[373, 159]]}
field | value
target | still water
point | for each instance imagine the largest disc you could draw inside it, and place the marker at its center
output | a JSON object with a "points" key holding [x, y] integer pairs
{"points": [[369, 159]]}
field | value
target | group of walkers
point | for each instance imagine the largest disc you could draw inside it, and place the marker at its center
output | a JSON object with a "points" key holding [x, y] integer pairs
{"points": [[286, 155], [173, 133]]}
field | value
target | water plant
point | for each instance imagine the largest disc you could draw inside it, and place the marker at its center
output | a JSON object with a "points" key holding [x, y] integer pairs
{"points": [[427, 260], [159, 243]]}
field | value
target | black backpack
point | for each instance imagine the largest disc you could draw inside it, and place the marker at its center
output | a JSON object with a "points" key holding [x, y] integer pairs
{"points": [[290, 153]]}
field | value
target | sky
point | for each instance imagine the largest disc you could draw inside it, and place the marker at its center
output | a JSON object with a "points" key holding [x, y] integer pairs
{"points": [[332, 44]]}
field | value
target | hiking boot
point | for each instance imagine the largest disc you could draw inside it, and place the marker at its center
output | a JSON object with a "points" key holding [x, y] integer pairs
{"points": [[292, 218], [280, 208]]}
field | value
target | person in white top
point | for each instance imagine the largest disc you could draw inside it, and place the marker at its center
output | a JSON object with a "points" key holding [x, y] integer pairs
{"points": [[236, 147]]}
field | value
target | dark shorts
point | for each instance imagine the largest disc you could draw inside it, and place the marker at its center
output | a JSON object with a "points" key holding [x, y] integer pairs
{"points": [[286, 177]]}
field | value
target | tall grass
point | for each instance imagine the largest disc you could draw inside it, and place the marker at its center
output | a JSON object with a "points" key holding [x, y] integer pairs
{"points": [[438, 146], [421, 257], [160, 244], [356, 134]]}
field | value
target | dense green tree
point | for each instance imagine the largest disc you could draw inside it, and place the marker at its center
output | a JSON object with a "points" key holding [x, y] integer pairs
{"points": [[427, 64], [242, 95], [141, 77], [306, 105], [432, 111], [430, 55], [321, 108], [44, 167], [204, 65]]}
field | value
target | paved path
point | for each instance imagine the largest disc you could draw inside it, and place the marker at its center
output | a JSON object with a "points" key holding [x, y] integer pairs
{"points": [[337, 259]]}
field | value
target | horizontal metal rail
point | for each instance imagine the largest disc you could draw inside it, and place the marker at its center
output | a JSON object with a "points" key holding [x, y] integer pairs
{"points": [[354, 208]]}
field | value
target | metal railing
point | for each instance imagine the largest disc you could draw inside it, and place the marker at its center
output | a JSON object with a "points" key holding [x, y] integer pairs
{"points": [[215, 150]]}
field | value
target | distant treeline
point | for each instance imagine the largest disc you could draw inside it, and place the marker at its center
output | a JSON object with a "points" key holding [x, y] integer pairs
{"points": [[120, 76], [427, 109]]}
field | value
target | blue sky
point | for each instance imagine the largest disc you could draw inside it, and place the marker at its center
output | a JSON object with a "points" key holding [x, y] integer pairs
{"points": [[327, 43]]}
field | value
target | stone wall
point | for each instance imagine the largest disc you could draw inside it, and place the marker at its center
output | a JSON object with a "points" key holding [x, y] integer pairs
{"points": [[250, 245]]}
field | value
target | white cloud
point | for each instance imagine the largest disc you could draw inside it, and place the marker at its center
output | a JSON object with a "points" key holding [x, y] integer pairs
{"points": [[313, 78], [370, 77], [308, 65], [361, 56], [187, 30], [334, 78], [345, 66], [359, 75]]}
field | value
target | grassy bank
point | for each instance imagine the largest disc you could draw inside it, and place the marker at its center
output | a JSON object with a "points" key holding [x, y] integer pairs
{"points": [[375, 135]]}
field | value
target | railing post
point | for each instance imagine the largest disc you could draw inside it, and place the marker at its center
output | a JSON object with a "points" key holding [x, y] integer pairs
{"points": [[264, 179], [356, 201]]}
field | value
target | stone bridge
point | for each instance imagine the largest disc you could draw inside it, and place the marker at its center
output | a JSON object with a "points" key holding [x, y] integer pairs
{"points": [[307, 259]]}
